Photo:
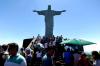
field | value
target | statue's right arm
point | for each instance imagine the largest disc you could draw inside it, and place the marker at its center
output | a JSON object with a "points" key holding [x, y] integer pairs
{"points": [[58, 12], [63, 11]]}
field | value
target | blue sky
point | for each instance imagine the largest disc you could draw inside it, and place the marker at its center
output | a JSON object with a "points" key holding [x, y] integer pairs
{"points": [[17, 21]]}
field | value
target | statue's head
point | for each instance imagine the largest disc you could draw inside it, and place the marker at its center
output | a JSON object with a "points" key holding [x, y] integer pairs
{"points": [[49, 7]]}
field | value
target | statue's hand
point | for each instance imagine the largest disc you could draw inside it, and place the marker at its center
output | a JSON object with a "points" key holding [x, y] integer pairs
{"points": [[63, 10], [34, 11]]}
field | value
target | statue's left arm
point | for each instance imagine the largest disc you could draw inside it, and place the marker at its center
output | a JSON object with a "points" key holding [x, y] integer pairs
{"points": [[58, 12]]}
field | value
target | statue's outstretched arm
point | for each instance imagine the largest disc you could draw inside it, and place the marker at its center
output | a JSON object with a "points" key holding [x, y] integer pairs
{"points": [[58, 12], [63, 11], [35, 11], [39, 12]]}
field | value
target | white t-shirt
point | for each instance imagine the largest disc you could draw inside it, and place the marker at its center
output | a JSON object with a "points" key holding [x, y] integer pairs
{"points": [[38, 54], [54, 43], [46, 45], [17, 60]]}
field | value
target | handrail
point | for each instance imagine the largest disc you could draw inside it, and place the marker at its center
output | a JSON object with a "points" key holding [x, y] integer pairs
{"points": [[32, 42]]}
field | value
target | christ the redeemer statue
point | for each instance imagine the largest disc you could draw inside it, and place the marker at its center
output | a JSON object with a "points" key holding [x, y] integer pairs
{"points": [[49, 22]]}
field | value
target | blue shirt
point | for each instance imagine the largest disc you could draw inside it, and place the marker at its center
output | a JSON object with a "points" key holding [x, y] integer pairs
{"points": [[17, 60]]}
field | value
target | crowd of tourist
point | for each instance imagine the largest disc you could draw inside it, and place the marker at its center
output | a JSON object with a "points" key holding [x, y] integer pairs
{"points": [[46, 52]]}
